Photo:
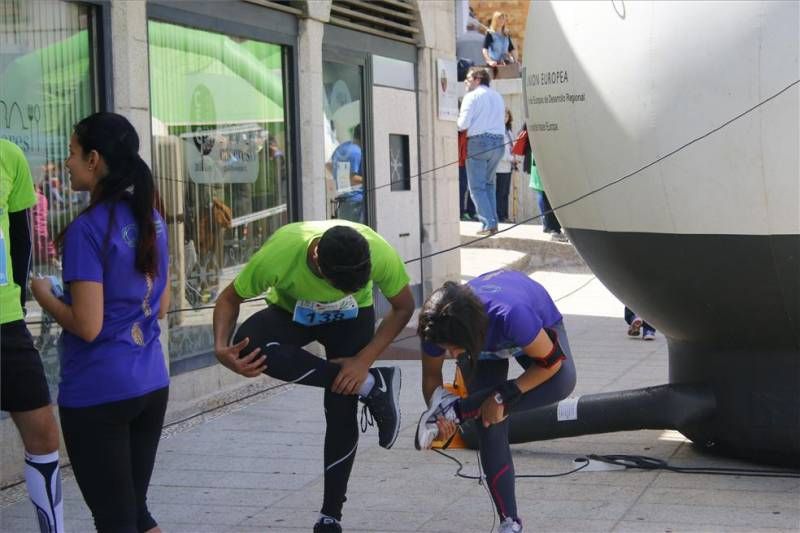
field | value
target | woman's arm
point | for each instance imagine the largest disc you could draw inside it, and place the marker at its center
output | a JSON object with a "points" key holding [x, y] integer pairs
{"points": [[163, 302], [488, 59], [535, 375], [84, 317], [512, 52], [487, 43]]}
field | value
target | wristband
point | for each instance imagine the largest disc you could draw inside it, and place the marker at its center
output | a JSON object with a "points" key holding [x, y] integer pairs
{"points": [[509, 392]]}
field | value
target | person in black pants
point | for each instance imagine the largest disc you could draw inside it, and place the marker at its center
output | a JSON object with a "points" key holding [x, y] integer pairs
{"points": [[318, 281], [114, 384]]}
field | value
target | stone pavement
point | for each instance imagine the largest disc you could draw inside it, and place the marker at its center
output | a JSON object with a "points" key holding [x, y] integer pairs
{"points": [[257, 465]]}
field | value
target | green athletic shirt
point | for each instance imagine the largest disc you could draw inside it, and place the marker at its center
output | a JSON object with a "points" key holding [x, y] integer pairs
{"points": [[16, 194], [281, 269]]}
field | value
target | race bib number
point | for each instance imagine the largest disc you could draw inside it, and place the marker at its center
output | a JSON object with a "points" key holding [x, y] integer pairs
{"points": [[342, 174], [310, 313]]}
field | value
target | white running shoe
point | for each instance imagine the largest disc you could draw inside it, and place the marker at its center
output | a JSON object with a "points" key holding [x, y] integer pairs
{"points": [[509, 525], [442, 404]]}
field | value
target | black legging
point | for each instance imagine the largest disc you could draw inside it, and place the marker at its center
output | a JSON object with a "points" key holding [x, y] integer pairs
{"points": [[112, 447], [281, 340], [493, 441]]}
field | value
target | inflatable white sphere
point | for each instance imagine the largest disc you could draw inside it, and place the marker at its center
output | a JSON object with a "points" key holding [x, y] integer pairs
{"points": [[703, 241]]}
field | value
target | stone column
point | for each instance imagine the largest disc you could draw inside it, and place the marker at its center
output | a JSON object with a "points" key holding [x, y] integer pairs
{"points": [[438, 147], [131, 79], [310, 96]]}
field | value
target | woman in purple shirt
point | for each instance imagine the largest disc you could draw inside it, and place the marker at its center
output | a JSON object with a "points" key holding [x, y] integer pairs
{"points": [[114, 382], [495, 317]]}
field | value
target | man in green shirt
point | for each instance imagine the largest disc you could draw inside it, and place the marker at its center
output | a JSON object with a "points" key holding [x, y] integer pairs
{"points": [[318, 279], [23, 388]]}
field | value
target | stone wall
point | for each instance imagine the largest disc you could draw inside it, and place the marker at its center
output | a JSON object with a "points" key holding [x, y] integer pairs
{"points": [[517, 11]]}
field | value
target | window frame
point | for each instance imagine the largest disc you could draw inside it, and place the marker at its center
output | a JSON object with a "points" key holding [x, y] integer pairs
{"points": [[254, 22]]}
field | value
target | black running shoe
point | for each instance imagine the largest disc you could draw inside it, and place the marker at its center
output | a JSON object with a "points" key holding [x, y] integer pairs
{"points": [[383, 402], [327, 524]]}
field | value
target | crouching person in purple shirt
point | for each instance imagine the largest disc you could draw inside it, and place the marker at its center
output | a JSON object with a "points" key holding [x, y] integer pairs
{"points": [[495, 317], [114, 383]]}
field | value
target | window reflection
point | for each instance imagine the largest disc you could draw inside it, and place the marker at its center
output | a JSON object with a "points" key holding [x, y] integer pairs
{"points": [[219, 145], [344, 146], [46, 86]]}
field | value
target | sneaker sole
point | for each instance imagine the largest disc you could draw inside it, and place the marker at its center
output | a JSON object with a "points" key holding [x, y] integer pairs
{"points": [[397, 381], [425, 415]]}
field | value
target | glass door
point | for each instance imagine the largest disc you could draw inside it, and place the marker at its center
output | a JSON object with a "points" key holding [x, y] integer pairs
{"points": [[346, 174]]}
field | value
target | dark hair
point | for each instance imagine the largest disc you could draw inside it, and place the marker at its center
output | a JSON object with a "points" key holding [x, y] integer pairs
{"points": [[344, 259], [453, 314], [115, 139], [481, 73]]}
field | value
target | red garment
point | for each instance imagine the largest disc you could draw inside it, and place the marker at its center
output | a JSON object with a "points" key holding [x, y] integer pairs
{"points": [[462, 148], [43, 248]]}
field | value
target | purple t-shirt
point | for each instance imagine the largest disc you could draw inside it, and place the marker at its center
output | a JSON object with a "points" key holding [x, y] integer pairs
{"points": [[518, 308], [126, 359]]}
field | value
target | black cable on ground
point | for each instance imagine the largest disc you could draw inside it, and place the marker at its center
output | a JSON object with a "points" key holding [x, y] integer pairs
{"points": [[465, 476], [644, 462]]}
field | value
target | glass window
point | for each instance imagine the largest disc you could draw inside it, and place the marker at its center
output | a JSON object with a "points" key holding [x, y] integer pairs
{"points": [[344, 141], [399, 170], [219, 155], [46, 86]]}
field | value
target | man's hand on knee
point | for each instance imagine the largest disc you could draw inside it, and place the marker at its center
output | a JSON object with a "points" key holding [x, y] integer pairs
{"points": [[250, 365]]}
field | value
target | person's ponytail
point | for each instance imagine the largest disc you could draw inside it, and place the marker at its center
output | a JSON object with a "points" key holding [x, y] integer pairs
{"points": [[128, 178], [142, 205]]}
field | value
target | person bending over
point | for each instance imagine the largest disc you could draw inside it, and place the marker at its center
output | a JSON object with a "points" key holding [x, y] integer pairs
{"points": [[318, 279], [495, 317]]}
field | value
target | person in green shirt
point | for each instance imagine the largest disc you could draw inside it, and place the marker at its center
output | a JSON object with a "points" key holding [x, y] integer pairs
{"points": [[23, 388], [318, 279]]}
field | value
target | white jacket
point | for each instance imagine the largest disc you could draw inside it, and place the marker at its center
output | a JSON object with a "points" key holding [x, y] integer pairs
{"points": [[508, 158]]}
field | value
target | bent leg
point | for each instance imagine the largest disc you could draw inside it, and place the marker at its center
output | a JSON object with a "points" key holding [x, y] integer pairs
{"points": [[493, 441], [498, 467], [553, 390], [281, 340]]}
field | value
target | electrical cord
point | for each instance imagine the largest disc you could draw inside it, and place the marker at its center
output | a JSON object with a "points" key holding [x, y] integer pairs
{"points": [[641, 462], [644, 462], [481, 479], [466, 476]]}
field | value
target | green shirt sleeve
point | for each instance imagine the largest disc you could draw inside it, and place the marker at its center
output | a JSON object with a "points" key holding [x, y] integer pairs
{"points": [[388, 270], [260, 273], [22, 194]]}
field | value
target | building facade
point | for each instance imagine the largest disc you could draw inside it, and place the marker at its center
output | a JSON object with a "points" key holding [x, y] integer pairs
{"points": [[252, 114]]}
